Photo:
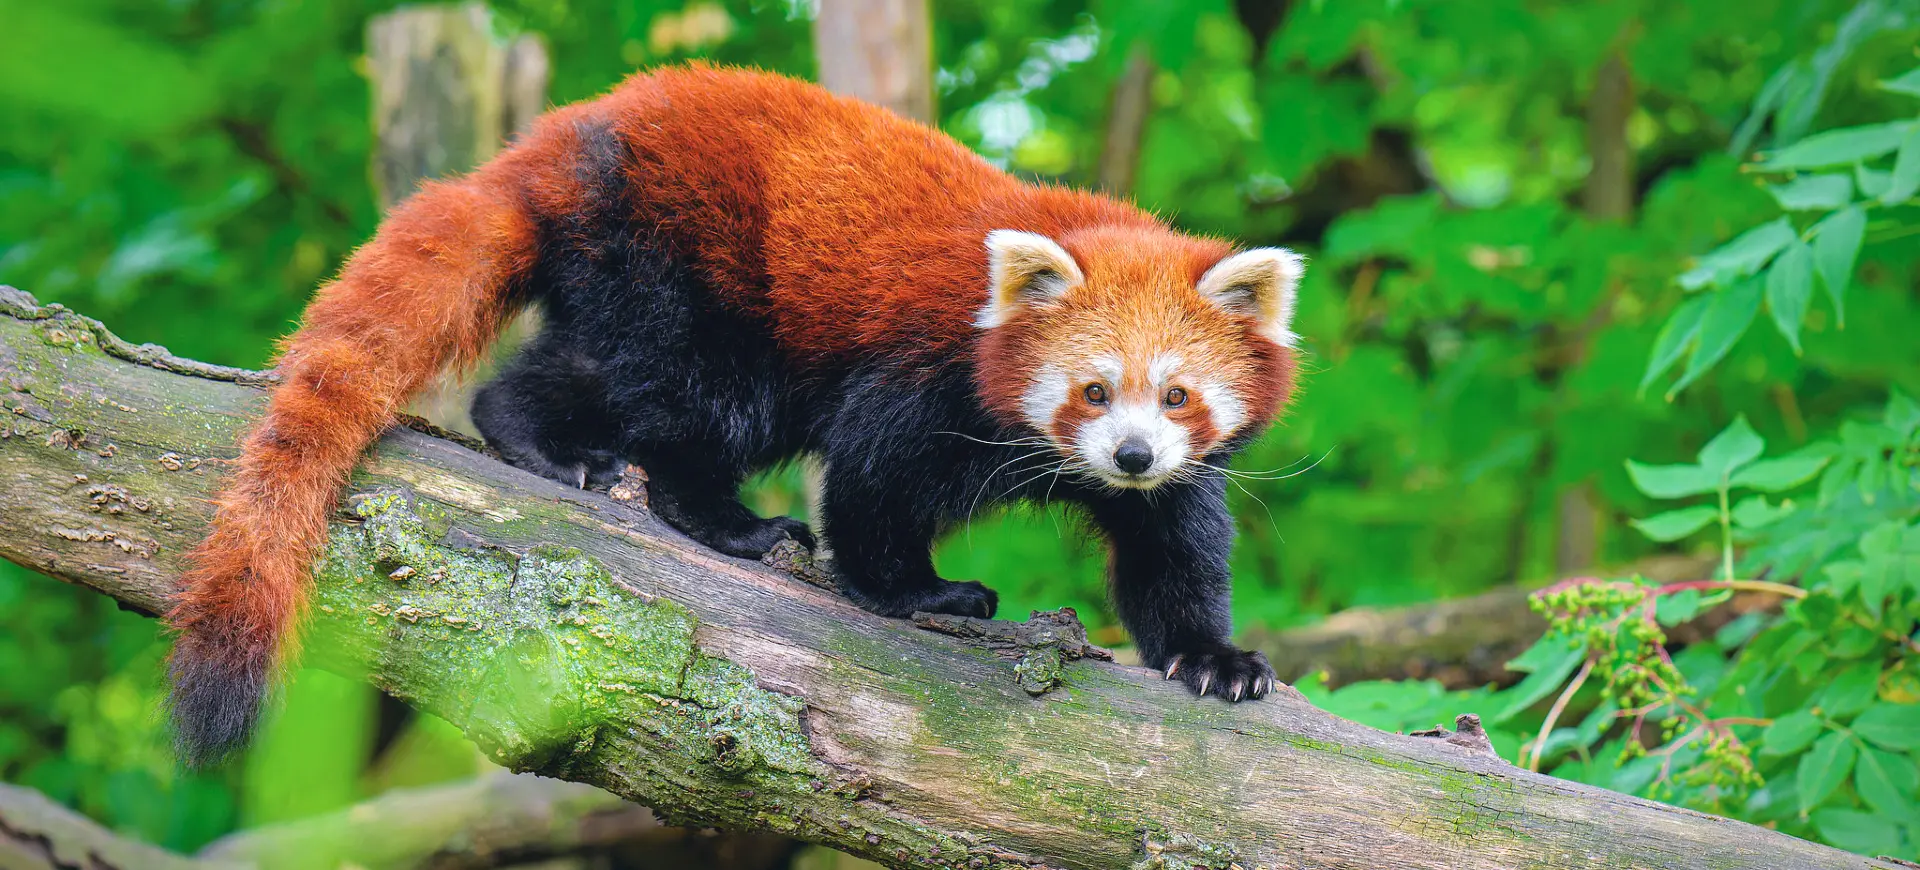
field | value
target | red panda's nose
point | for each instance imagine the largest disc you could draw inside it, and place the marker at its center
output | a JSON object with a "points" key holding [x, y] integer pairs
{"points": [[1133, 456]]}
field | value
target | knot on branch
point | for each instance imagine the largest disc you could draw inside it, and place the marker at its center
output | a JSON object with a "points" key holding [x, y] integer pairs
{"points": [[1044, 643], [1468, 734]]}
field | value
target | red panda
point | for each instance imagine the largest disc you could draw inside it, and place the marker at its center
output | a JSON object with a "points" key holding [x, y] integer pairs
{"points": [[735, 268]]}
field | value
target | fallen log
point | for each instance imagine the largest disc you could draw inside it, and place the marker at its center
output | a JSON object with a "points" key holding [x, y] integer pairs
{"points": [[570, 634]]}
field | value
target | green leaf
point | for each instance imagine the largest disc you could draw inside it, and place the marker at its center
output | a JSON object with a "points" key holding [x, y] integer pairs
{"points": [[1873, 182], [1781, 473], [1727, 318], [1735, 447], [1674, 337], [1836, 244], [1907, 83], [1887, 782], [1823, 768], [1790, 733], [1906, 171], [1674, 525], [1855, 831], [1678, 607], [1824, 192], [1894, 726], [1671, 481], [1789, 286], [102, 73], [1902, 415], [1754, 512], [1743, 255], [1835, 147], [1851, 691], [1550, 661]]}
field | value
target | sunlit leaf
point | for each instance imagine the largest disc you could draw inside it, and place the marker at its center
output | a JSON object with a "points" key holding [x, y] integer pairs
{"points": [[1727, 318], [1887, 782], [1824, 192], [1679, 332], [1790, 733], [1732, 449], [1856, 831], [1851, 690], [114, 77], [1905, 83], [1755, 512], [1872, 182], [1677, 524], [1781, 473], [1836, 244], [1744, 254], [1671, 481], [1789, 285], [1836, 147], [1894, 726], [1823, 769], [1549, 662], [1906, 171]]}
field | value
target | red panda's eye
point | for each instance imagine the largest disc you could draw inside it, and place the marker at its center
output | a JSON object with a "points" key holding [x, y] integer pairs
{"points": [[1096, 394], [1176, 397]]}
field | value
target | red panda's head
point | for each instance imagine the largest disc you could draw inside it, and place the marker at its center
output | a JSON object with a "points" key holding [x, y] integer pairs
{"points": [[1136, 352]]}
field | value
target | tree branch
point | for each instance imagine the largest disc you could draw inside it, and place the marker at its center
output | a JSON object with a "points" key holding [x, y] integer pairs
{"points": [[572, 635], [494, 820]]}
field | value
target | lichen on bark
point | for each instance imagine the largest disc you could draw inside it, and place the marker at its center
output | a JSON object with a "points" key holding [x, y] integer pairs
{"points": [[533, 653]]}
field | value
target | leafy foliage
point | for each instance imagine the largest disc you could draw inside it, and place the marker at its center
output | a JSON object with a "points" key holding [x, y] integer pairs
{"points": [[1487, 345]]}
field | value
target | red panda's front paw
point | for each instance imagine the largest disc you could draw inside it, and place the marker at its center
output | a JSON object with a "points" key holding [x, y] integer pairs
{"points": [[1232, 674]]}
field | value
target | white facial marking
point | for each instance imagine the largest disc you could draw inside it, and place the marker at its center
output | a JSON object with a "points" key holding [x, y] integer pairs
{"points": [[1100, 439], [1227, 409], [1133, 418], [1162, 369], [1049, 389]]}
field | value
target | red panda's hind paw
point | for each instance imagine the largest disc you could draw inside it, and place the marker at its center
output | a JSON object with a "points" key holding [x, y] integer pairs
{"points": [[758, 538], [957, 598], [1231, 674]]}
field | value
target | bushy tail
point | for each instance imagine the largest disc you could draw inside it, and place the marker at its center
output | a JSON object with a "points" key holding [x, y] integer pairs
{"points": [[431, 291]]}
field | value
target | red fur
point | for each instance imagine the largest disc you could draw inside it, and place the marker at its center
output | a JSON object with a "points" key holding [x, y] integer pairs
{"points": [[857, 234]]}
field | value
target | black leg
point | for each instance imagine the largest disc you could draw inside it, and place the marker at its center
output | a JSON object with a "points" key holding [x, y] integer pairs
{"points": [[1171, 586], [697, 493], [881, 526], [546, 413]]}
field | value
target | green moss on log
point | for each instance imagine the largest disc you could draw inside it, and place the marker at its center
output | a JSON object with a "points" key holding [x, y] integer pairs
{"points": [[533, 654]]}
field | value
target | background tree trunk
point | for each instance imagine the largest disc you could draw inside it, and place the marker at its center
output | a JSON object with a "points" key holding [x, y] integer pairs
{"points": [[569, 633], [447, 96], [880, 51]]}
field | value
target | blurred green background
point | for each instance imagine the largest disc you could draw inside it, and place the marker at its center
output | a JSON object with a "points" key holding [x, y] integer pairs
{"points": [[1496, 197]]}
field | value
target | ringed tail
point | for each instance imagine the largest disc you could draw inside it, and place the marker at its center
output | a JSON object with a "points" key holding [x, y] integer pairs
{"points": [[431, 291]]}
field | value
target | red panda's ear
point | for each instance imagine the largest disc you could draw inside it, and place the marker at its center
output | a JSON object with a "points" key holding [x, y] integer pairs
{"points": [[1259, 284], [1024, 269]]}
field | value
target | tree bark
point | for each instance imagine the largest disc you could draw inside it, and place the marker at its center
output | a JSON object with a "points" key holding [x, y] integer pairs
{"points": [[570, 634], [880, 51], [447, 95], [1127, 112]]}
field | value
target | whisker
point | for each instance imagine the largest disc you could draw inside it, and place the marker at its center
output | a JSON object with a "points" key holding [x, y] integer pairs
{"points": [[988, 481], [1026, 441], [1255, 475], [1055, 470]]}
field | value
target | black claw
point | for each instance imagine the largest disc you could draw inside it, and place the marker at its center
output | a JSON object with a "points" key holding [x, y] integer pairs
{"points": [[1230, 674]]}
